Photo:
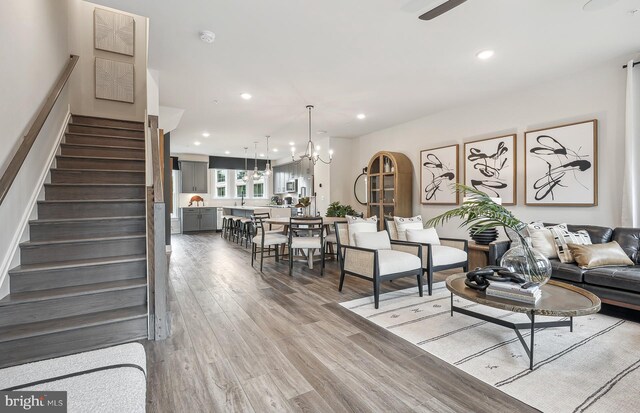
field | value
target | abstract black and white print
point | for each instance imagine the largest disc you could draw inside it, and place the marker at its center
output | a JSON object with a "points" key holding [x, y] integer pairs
{"points": [[561, 165], [439, 174], [490, 166]]}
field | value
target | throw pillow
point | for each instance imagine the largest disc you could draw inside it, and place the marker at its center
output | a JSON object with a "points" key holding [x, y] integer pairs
{"points": [[423, 236], [375, 241], [403, 224], [562, 236], [542, 239], [357, 224], [599, 255]]}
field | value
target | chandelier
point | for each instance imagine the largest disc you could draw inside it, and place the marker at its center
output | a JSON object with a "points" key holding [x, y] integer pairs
{"points": [[310, 152], [255, 174], [245, 178], [267, 168]]}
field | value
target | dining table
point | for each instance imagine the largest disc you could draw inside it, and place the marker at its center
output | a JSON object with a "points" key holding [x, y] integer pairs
{"points": [[327, 222]]}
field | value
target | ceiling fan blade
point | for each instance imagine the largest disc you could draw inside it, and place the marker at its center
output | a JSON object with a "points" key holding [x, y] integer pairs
{"points": [[441, 9]]}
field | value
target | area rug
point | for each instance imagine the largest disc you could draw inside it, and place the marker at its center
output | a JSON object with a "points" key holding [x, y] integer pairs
{"points": [[594, 369]]}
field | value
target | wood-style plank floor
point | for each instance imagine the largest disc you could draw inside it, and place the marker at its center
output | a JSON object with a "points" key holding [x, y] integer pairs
{"points": [[247, 341]]}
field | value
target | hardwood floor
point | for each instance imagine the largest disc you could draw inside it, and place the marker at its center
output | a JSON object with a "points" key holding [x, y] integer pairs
{"points": [[257, 342]]}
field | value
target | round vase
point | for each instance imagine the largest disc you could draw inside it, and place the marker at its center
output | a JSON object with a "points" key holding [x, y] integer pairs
{"points": [[529, 263]]}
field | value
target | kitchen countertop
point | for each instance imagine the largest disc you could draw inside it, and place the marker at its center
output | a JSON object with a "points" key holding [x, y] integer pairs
{"points": [[254, 207], [201, 206]]}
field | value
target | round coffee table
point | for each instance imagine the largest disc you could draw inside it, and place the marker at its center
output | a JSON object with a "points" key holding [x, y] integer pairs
{"points": [[558, 300]]}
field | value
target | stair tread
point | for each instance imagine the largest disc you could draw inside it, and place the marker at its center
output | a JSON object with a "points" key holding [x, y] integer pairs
{"points": [[98, 170], [88, 219], [16, 332], [64, 292], [105, 127], [99, 157], [141, 122], [84, 145], [27, 268], [91, 184], [70, 201], [82, 240], [104, 136]]}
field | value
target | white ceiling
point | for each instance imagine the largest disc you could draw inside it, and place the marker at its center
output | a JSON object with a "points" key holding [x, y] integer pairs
{"points": [[358, 56]]}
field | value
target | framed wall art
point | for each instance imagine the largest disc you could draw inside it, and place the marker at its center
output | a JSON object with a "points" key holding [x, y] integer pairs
{"points": [[438, 175], [114, 80], [490, 167], [561, 167], [113, 32]]}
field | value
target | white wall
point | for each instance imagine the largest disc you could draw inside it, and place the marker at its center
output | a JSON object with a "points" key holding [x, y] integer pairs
{"points": [[34, 52], [598, 93], [343, 172], [80, 37]]}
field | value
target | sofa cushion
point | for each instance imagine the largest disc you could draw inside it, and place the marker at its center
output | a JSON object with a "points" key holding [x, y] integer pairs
{"points": [[374, 240], [608, 254], [563, 236], [566, 272], [597, 234], [443, 255], [403, 224], [622, 278], [423, 236], [542, 239], [629, 240], [391, 262], [357, 224]]}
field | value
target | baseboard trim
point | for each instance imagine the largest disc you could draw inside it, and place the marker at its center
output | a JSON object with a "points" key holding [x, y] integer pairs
{"points": [[28, 211]]}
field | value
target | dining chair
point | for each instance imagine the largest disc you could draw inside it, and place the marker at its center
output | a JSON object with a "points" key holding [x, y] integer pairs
{"points": [[306, 234], [263, 239]]}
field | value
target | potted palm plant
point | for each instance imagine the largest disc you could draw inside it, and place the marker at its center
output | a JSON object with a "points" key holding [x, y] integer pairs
{"points": [[479, 213]]}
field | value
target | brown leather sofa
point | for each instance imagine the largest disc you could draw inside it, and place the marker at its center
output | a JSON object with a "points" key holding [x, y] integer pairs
{"points": [[618, 286]]}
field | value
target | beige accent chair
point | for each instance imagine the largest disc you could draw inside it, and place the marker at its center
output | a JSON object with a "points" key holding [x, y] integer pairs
{"points": [[376, 265], [438, 257]]}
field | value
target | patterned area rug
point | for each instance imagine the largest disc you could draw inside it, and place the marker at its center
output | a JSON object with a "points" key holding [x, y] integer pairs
{"points": [[594, 369]]}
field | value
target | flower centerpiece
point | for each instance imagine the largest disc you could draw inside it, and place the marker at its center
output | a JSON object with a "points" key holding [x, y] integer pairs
{"points": [[479, 212]]}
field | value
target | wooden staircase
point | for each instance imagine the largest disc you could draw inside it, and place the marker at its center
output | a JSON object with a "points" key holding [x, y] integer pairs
{"points": [[82, 280]]}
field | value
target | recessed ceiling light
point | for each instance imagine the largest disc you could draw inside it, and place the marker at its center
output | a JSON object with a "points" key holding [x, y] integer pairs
{"points": [[275, 149], [262, 155], [322, 132], [246, 96], [207, 36], [206, 134], [227, 152], [485, 54], [361, 116], [292, 143], [197, 143], [318, 147]]}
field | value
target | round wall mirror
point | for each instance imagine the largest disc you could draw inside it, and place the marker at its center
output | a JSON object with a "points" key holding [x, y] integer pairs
{"points": [[360, 188]]}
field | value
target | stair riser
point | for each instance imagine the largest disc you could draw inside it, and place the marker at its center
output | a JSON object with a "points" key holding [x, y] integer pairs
{"points": [[105, 152], [55, 193], [108, 164], [88, 120], [71, 306], [81, 250], [105, 131], [69, 277], [96, 177], [90, 210], [73, 341], [83, 230], [101, 140]]}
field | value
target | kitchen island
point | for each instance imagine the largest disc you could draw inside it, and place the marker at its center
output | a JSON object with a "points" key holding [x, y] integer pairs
{"points": [[275, 211]]}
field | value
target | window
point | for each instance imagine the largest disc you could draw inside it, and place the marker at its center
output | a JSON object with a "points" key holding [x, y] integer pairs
{"points": [[241, 186], [220, 183], [258, 189]]}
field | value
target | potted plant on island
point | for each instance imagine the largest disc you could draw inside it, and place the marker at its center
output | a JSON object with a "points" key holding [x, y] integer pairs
{"points": [[479, 213]]}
